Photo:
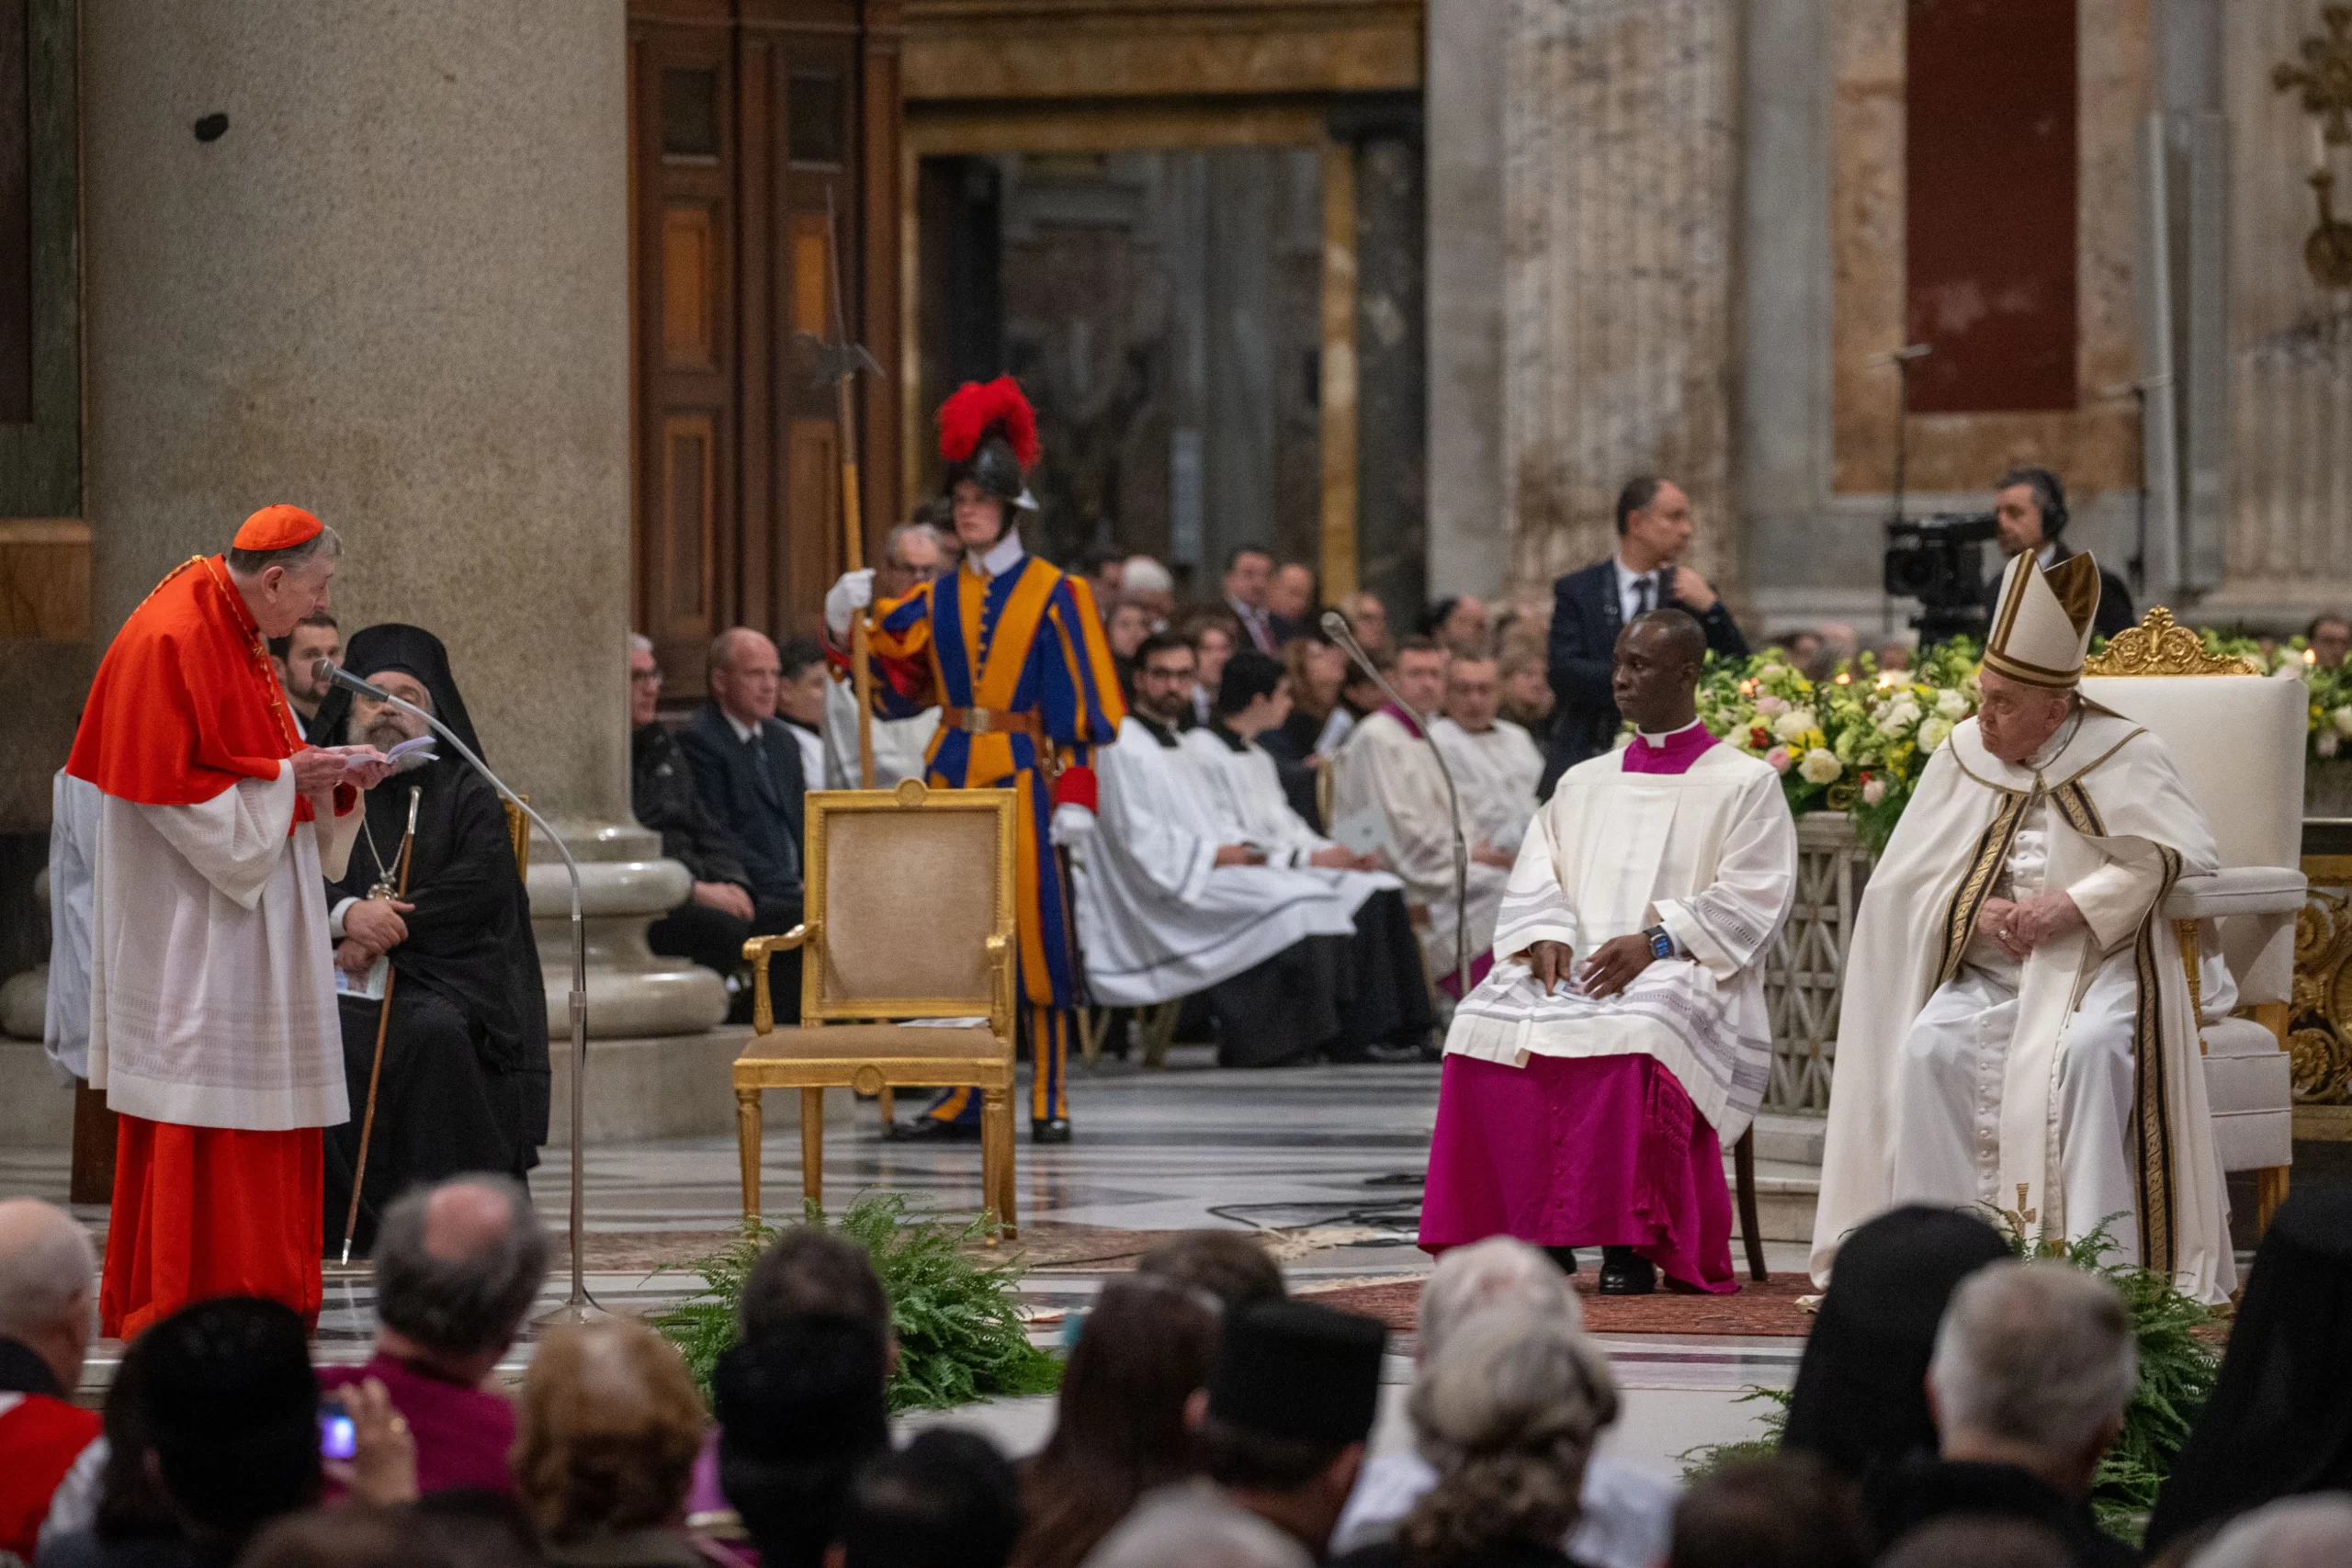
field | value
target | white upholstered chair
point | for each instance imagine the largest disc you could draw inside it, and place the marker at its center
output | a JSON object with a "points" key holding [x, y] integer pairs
{"points": [[2238, 738]]}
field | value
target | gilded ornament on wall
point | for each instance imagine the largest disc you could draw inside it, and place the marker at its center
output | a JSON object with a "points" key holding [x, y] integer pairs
{"points": [[2317, 1038]]}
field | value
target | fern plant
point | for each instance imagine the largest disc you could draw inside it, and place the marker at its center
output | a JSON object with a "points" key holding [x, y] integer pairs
{"points": [[957, 1319], [2177, 1369]]}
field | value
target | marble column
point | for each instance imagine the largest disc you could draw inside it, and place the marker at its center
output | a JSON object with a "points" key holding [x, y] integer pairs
{"points": [[1468, 543], [1620, 184], [394, 289]]}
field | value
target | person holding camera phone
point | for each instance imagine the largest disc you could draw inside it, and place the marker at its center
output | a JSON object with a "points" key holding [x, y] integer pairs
{"points": [[2030, 513]]}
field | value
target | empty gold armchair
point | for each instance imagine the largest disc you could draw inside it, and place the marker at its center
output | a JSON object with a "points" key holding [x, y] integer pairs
{"points": [[910, 898]]}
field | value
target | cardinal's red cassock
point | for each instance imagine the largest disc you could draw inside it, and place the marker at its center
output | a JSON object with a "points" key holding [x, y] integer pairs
{"points": [[212, 1010]]}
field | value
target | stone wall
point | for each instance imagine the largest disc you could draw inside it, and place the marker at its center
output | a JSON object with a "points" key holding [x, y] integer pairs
{"points": [[1620, 153]]}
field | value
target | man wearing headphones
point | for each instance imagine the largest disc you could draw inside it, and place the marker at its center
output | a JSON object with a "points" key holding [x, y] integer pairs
{"points": [[2030, 510]]}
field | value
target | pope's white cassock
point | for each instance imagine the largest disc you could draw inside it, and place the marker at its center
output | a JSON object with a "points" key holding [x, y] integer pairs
{"points": [[1386, 766], [1567, 1121], [1157, 918], [1965, 1076], [1497, 770]]}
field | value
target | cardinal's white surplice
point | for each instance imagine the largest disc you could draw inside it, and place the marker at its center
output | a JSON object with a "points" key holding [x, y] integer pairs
{"points": [[211, 982], [1386, 766], [1497, 770], [1157, 918], [1965, 1077], [1710, 854]]}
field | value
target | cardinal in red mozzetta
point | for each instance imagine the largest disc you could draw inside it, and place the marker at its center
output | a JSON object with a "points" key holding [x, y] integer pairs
{"points": [[1011, 651], [213, 1030]]}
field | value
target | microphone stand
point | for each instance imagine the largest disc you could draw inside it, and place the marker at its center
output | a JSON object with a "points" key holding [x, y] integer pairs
{"points": [[578, 1307], [1336, 626]]}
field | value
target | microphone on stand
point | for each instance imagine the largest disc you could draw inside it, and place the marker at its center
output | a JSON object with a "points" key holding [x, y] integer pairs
{"points": [[579, 1307], [1335, 626]]}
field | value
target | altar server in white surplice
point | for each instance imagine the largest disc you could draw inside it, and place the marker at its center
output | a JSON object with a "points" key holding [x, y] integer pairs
{"points": [[1387, 766], [1495, 764], [2016, 1020], [1594, 1078], [1172, 900]]}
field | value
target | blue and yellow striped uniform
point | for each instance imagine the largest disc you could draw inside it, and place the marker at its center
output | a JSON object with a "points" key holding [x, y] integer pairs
{"points": [[1026, 641]]}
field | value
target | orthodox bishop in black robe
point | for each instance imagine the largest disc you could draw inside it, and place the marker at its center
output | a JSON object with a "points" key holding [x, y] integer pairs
{"points": [[464, 1081]]}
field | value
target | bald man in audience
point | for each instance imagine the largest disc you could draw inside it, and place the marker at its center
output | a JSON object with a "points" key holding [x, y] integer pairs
{"points": [[747, 768], [48, 1311], [457, 1266]]}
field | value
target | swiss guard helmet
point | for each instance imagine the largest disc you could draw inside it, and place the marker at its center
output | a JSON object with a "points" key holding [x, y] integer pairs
{"points": [[987, 432]]}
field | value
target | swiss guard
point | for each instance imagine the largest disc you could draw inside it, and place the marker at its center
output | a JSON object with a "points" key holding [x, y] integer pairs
{"points": [[1012, 652]]}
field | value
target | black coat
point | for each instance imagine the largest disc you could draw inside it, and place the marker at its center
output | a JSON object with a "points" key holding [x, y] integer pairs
{"points": [[753, 792], [1901, 1499], [2115, 614], [661, 792], [1582, 656]]}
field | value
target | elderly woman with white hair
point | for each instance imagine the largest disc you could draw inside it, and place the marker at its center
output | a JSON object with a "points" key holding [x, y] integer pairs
{"points": [[1507, 1413], [1626, 1519]]}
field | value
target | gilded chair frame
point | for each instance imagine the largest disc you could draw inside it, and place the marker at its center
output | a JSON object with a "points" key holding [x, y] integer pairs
{"points": [[2159, 646], [878, 1074]]}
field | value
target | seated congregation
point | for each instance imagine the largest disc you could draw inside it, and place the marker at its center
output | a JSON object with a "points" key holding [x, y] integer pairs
{"points": [[1951, 1408]]}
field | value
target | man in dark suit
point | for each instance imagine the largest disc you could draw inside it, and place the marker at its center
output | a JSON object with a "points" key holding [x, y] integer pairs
{"points": [[746, 767], [2029, 512], [1590, 607]]}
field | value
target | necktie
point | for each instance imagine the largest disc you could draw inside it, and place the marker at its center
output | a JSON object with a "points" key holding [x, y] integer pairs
{"points": [[1642, 588]]}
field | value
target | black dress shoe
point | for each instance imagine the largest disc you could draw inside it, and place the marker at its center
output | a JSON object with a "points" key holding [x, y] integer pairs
{"points": [[1049, 1130], [1566, 1257], [1624, 1272], [931, 1130]]}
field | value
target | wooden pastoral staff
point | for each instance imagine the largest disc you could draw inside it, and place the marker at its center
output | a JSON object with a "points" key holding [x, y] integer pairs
{"points": [[910, 917]]}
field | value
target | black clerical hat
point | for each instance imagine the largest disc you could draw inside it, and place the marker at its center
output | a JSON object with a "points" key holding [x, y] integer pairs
{"points": [[1294, 1370], [415, 652]]}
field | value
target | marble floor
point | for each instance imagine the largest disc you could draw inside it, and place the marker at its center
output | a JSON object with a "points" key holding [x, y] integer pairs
{"points": [[1329, 1158]]}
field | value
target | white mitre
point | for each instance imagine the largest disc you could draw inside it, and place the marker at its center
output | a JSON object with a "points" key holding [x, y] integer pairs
{"points": [[2042, 627]]}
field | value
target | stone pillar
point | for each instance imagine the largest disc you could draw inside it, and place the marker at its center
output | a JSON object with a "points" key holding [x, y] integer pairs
{"points": [[1619, 160], [1469, 541], [394, 290]]}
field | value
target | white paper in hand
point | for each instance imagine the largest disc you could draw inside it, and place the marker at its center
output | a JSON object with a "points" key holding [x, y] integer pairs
{"points": [[369, 986], [1367, 833]]}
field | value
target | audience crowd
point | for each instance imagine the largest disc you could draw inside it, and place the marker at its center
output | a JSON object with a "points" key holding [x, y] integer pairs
{"points": [[1951, 1410]]}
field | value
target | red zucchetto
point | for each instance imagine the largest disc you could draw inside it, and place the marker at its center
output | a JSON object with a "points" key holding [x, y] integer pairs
{"points": [[279, 527]]}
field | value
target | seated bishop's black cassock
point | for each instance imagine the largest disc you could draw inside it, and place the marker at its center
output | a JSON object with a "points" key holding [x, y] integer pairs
{"points": [[464, 1084]]}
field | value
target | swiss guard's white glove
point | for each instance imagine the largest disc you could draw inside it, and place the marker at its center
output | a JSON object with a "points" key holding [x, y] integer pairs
{"points": [[845, 599], [1072, 824]]}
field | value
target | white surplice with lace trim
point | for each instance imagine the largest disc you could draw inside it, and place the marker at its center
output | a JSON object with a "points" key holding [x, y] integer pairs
{"points": [[1710, 855]]}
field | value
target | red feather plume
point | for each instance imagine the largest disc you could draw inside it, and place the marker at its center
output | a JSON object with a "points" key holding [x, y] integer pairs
{"points": [[966, 419]]}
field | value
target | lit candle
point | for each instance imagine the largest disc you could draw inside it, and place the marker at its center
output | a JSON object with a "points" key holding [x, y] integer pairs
{"points": [[1843, 678], [2311, 655]]}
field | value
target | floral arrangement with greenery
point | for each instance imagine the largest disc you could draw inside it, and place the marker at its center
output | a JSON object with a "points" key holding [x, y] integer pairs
{"points": [[957, 1318], [1856, 742]]}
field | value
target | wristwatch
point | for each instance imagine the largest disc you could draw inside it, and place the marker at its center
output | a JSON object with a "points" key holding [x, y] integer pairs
{"points": [[1661, 944]]}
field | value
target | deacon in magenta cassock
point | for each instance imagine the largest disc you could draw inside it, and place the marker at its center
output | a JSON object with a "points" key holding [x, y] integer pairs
{"points": [[1593, 1077], [212, 1013]]}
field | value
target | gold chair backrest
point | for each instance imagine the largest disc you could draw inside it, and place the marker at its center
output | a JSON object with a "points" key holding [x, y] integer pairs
{"points": [[907, 888]]}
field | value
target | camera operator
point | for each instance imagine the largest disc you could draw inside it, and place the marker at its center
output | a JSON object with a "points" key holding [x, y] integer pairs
{"points": [[2030, 513]]}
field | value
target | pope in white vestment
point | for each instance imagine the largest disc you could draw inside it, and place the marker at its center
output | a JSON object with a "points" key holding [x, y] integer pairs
{"points": [[1594, 1111], [2016, 1032]]}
